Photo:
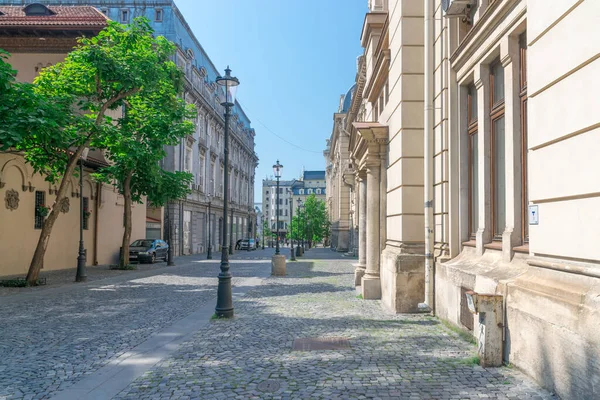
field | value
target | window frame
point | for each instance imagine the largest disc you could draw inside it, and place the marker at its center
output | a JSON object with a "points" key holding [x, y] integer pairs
{"points": [[122, 13], [86, 207], [38, 219], [496, 113], [158, 12], [524, 151], [472, 130]]}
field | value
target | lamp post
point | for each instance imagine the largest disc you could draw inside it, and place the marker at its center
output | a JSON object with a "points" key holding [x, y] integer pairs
{"points": [[262, 221], [278, 261], [277, 170], [209, 251], [301, 238], [231, 230], [224, 308], [81, 275], [290, 191]]}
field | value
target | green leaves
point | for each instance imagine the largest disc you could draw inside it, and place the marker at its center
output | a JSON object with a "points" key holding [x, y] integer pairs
{"points": [[311, 222]]}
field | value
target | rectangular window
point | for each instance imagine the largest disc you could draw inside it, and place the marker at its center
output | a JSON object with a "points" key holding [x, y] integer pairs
{"points": [[498, 169], [124, 16], [473, 161], [497, 84], [86, 212], [523, 99], [40, 203], [499, 177], [158, 15]]}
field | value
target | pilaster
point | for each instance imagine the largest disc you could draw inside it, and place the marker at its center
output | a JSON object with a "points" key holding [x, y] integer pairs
{"points": [[482, 84], [509, 56]]}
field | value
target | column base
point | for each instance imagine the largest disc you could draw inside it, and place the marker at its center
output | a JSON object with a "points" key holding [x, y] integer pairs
{"points": [[371, 287], [403, 276], [359, 272], [278, 265]]}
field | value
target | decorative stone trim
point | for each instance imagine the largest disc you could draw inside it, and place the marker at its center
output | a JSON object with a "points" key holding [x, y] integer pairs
{"points": [[11, 199]]}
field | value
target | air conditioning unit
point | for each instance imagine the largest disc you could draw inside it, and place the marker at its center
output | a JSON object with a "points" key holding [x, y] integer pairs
{"points": [[456, 8]]}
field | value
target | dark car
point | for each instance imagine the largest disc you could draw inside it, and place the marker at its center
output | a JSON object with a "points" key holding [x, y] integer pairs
{"points": [[148, 250]]}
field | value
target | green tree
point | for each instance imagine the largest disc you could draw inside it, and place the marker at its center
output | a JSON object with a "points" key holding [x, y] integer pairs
{"points": [[267, 230], [25, 113], [153, 119], [315, 219], [98, 76]]}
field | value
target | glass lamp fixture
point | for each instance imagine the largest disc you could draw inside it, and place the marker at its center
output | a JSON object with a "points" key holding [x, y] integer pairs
{"points": [[277, 169], [230, 84]]}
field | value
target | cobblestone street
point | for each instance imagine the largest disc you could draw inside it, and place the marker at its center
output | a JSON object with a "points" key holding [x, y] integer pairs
{"points": [[53, 340]]}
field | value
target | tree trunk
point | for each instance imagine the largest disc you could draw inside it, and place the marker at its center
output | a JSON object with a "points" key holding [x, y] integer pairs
{"points": [[40, 250], [124, 261]]}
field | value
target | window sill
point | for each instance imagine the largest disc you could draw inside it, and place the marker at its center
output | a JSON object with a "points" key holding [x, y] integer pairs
{"points": [[494, 245], [470, 243], [522, 249]]}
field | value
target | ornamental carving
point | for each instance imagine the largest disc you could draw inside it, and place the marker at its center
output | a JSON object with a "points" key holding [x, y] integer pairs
{"points": [[65, 205], [11, 199]]}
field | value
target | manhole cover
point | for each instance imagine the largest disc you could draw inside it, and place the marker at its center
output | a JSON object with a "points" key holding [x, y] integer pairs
{"points": [[269, 386], [327, 343]]}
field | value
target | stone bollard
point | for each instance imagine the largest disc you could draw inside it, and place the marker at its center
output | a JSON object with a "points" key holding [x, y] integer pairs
{"points": [[489, 308], [278, 265]]}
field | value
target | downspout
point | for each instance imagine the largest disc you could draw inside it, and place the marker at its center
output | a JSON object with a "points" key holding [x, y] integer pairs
{"points": [[428, 304], [98, 194]]}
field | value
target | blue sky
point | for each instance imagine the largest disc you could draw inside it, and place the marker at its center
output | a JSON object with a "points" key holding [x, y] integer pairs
{"points": [[294, 58]]}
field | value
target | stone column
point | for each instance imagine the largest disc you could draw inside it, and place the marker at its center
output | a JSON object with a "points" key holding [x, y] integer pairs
{"points": [[371, 281], [359, 271]]}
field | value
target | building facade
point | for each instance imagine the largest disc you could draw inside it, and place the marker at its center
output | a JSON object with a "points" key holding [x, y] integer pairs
{"points": [[22, 190], [472, 131], [290, 192], [202, 153], [340, 181]]}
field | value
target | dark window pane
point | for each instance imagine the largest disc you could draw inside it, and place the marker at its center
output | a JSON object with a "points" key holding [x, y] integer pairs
{"points": [[474, 184], [498, 72], [86, 215], [40, 201], [499, 178], [472, 103]]}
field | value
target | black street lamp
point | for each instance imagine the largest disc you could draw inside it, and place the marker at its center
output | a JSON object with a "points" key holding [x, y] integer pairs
{"points": [[81, 275], [224, 308], [170, 261], [277, 170], [300, 250], [262, 221], [291, 192], [231, 230], [209, 251]]}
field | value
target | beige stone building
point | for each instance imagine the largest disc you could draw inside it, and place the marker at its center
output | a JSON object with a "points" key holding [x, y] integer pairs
{"points": [[36, 37], [340, 181], [290, 191], [472, 141]]}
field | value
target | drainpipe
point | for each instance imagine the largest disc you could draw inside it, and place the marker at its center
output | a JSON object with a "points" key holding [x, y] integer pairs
{"points": [[97, 211], [428, 304]]}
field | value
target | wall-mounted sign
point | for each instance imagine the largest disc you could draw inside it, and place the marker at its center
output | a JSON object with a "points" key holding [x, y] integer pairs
{"points": [[533, 215]]}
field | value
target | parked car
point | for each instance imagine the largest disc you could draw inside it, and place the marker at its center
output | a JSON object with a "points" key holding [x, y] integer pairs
{"points": [[148, 250], [247, 244]]}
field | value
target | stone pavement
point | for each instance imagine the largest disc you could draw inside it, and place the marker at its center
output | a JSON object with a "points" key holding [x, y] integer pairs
{"points": [[390, 356], [53, 337]]}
